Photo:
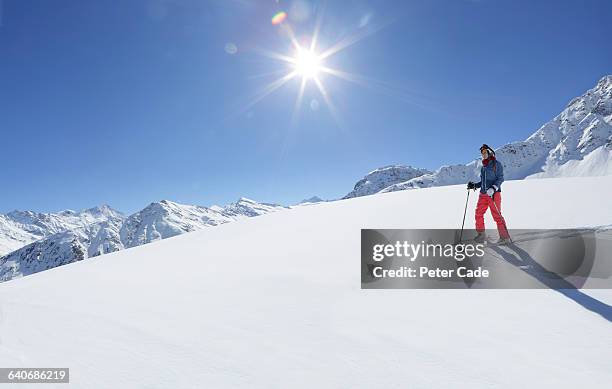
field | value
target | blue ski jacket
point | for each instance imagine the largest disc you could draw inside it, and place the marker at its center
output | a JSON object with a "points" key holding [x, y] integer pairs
{"points": [[490, 175]]}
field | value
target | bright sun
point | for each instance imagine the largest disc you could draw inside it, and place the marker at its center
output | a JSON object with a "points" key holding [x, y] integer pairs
{"points": [[307, 64]]}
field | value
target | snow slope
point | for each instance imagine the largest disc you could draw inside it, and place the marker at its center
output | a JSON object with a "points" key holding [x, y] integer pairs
{"points": [[577, 142], [275, 302], [596, 163]]}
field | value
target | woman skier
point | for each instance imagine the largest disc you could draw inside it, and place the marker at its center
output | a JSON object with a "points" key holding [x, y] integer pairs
{"points": [[491, 178]]}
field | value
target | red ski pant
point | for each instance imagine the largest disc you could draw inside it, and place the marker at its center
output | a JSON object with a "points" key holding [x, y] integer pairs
{"points": [[485, 202]]}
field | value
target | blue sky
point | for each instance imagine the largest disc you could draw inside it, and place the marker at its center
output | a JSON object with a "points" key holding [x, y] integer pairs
{"points": [[130, 102]]}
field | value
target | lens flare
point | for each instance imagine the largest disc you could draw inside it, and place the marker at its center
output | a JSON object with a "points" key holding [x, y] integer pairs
{"points": [[279, 17], [307, 63]]}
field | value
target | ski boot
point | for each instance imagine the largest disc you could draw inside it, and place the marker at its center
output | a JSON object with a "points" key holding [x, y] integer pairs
{"points": [[503, 242], [481, 237]]}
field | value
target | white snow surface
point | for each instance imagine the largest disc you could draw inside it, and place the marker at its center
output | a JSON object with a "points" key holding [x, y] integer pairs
{"points": [[275, 302]]}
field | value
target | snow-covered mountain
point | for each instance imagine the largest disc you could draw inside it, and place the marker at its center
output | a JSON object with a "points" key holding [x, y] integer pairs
{"points": [[70, 236], [577, 142], [311, 200], [384, 177], [166, 219], [61, 248], [19, 228], [249, 208], [281, 309]]}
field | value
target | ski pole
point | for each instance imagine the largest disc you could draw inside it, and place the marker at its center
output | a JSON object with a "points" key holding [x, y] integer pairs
{"points": [[502, 217], [464, 213]]}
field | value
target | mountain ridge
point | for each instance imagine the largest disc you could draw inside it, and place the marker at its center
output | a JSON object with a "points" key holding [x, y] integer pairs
{"points": [[557, 148]]}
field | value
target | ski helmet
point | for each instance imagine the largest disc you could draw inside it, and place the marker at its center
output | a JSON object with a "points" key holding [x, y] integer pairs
{"points": [[486, 147]]}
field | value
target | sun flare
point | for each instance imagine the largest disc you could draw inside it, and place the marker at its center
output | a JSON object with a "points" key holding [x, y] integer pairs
{"points": [[307, 64]]}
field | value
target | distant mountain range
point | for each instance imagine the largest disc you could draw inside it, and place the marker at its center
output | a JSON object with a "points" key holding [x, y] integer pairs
{"points": [[32, 242], [577, 142]]}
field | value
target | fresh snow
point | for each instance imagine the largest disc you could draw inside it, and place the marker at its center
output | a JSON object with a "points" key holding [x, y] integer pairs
{"points": [[275, 301]]}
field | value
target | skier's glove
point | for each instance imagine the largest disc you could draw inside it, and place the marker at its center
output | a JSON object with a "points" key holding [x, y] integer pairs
{"points": [[471, 185], [491, 192]]}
